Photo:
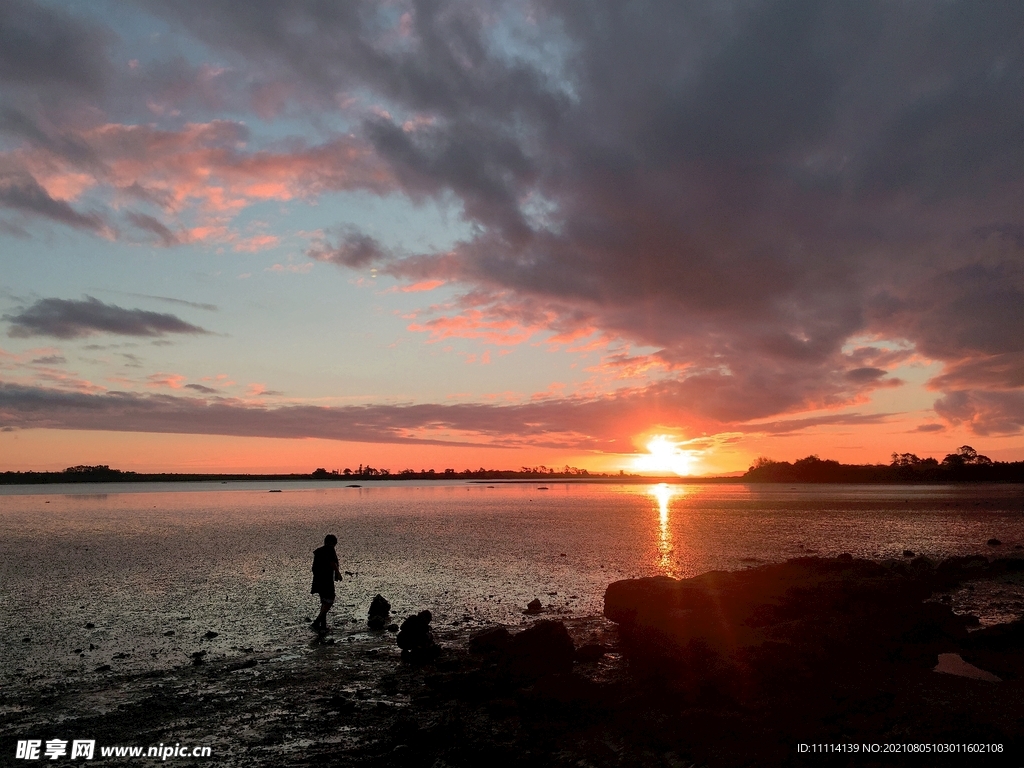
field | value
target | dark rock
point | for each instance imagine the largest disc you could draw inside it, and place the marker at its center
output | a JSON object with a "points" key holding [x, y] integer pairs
{"points": [[380, 611], [199, 657], [169, 633], [922, 564], [391, 627], [489, 641], [544, 648], [90, 625], [416, 639], [733, 634], [211, 634], [103, 668], [993, 542], [26, 639], [534, 606], [998, 649], [954, 569], [339, 703], [908, 553], [1001, 637], [624, 601], [563, 689], [591, 652]]}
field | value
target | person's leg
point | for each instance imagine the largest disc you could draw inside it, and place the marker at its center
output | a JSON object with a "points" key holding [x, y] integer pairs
{"points": [[321, 620]]}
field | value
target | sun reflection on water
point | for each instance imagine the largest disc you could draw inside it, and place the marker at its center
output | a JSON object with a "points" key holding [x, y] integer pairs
{"points": [[664, 493]]}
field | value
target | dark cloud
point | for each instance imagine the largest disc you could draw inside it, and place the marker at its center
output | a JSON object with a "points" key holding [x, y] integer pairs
{"points": [[743, 186], [795, 426], [50, 360], [70, 319], [865, 374], [984, 412], [747, 187], [350, 249], [200, 388], [147, 223], [601, 423], [182, 302], [13, 230], [43, 45], [17, 123], [23, 193], [29, 407]]}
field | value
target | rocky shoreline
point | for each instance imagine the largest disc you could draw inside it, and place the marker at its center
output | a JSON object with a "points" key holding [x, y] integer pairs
{"points": [[724, 669]]}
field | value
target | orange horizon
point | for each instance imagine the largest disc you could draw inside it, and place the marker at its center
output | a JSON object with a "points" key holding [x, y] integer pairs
{"points": [[54, 450]]}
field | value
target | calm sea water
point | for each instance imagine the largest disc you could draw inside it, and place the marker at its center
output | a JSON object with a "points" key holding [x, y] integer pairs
{"points": [[156, 567]]}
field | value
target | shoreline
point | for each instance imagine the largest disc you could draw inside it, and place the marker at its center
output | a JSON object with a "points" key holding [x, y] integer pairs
{"points": [[349, 698], [396, 481]]}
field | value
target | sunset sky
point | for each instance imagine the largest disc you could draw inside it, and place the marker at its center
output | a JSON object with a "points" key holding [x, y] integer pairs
{"points": [[271, 236]]}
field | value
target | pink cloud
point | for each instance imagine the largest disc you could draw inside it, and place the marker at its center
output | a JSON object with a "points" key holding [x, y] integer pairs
{"points": [[256, 243], [169, 380], [300, 269], [423, 285], [482, 359], [202, 169], [260, 390], [475, 324]]}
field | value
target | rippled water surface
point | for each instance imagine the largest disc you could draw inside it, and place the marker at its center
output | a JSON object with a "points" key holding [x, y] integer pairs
{"points": [[156, 567]]}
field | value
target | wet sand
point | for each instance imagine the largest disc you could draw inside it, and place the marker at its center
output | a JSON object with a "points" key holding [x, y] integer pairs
{"points": [[349, 699], [142, 566], [346, 698]]}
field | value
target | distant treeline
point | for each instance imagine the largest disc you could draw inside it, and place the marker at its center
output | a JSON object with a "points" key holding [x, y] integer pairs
{"points": [[966, 465], [103, 474], [524, 473]]}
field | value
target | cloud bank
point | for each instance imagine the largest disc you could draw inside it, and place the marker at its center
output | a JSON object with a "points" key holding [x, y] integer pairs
{"points": [[785, 199], [745, 186], [605, 424], [70, 319]]}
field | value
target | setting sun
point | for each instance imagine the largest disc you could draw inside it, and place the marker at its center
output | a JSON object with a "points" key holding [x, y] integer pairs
{"points": [[664, 455]]}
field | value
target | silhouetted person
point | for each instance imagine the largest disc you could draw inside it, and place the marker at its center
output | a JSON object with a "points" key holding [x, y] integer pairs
{"points": [[325, 573]]}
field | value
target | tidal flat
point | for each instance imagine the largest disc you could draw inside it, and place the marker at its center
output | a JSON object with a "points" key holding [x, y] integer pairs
{"points": [[221, 575]]}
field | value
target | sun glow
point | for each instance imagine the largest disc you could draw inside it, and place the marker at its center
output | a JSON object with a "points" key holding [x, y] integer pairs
{"points": [[664, 455]]}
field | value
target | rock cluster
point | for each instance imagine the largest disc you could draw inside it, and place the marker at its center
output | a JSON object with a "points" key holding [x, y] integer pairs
{"points": [[803, 619], [544, 648], [823, 645]]}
